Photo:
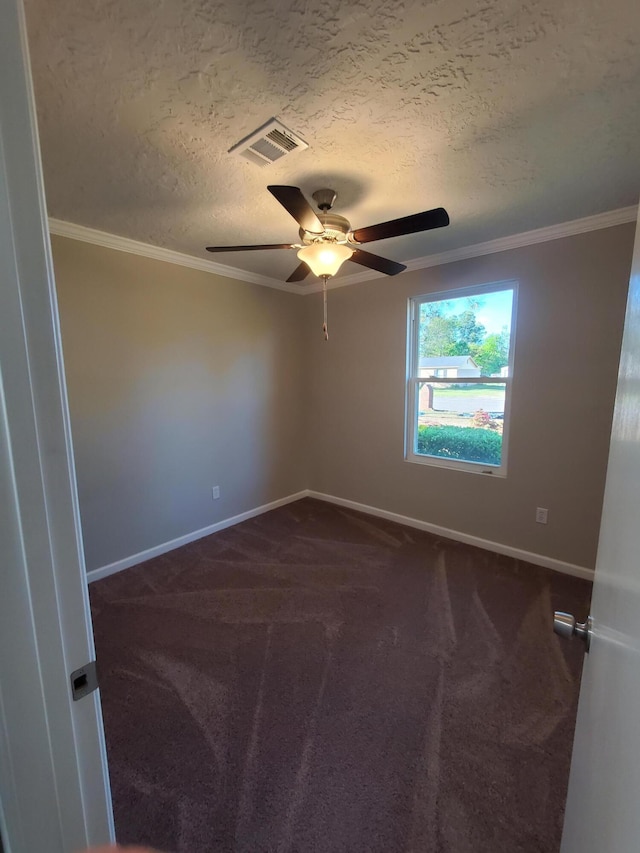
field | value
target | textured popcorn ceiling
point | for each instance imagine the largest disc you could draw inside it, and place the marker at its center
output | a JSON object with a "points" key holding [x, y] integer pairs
{"points": [[512, 115]]}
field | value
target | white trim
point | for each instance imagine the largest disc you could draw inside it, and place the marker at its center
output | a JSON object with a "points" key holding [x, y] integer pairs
{"points": [[133, 247], [143, 556], [501, 244], [54, 783], [458, 536], [414, 380]]}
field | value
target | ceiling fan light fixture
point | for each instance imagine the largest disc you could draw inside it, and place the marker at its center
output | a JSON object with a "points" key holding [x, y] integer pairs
{"points": [[325, 259]]}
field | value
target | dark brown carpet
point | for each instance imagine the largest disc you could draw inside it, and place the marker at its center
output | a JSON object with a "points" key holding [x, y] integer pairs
{"points": [[318, 680]]}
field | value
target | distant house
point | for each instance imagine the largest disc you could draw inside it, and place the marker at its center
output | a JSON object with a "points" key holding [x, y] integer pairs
{"points": [[449, 367]]}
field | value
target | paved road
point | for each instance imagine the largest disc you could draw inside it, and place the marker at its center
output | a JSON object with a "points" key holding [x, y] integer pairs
{"points": [[465, 403]]}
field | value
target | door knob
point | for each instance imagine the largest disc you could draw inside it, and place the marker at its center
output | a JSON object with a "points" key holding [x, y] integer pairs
{"points": [[565, 625]]}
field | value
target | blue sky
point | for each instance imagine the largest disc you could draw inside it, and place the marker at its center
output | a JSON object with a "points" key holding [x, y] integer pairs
{"points": [[494, 314], [496, 311]]}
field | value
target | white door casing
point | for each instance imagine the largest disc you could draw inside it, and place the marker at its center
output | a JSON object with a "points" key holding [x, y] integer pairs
{"points": [[603, 804], [54, 790]]}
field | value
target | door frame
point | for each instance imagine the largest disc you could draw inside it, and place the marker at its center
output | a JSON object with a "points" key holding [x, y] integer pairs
{"points": [[54, 787]]}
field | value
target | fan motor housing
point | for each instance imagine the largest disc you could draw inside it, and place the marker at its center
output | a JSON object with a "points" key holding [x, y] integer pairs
{"points": [[336, 229]]}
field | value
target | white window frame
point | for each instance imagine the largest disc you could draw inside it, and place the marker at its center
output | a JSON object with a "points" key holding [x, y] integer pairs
{"points": [[414, 379]]}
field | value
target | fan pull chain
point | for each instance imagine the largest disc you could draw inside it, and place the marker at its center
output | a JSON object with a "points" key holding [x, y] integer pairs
{"points": [[325, 327]]}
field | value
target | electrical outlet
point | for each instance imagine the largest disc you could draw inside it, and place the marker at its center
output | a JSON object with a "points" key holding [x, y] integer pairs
{"points": [[542, 515], [215, 492]]}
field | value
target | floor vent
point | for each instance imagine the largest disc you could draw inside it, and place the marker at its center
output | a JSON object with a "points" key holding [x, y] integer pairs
{"points": [[268, 143]]}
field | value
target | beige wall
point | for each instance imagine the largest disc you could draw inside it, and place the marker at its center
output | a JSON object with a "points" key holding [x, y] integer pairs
{"points": [[570, 313], [178, 380]]}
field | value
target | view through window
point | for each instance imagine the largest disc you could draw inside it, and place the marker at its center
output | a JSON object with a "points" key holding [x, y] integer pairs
{"points": [[460, 372]]}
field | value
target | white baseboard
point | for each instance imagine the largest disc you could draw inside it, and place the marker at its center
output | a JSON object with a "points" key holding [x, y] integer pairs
{"points": [[447, 533], [142, 556], [496, 547]]}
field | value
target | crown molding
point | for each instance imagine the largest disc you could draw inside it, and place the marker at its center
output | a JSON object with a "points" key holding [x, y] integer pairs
{"points": [[502, 244], [133, 247]]}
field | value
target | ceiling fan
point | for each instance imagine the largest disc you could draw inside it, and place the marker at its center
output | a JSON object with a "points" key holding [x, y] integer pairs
{"points": [[327, 239]]}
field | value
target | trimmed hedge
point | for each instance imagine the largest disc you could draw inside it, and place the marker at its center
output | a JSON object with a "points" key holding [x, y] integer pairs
{"points": [[465, 443]]}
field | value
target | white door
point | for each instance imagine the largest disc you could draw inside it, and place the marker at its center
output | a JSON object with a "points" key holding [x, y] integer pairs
{"points": [[54, 790], [603, 806]]}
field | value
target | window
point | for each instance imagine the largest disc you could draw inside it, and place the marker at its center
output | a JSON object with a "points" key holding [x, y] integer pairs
{"points": [[460, 368]]}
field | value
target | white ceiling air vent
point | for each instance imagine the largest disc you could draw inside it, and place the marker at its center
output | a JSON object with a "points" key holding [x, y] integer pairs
{"points": [[268, 143]]}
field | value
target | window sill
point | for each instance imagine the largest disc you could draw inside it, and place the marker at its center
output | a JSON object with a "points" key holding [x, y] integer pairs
{"points": [[456, 465]]}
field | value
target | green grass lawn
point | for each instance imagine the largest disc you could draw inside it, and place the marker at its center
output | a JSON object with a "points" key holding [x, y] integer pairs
{"points": [[472, 390]]}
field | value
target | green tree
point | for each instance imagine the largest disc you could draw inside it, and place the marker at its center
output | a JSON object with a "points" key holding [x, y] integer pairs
{"points": [[437, 335], [493, 353], [469, 334], [453, 334]]}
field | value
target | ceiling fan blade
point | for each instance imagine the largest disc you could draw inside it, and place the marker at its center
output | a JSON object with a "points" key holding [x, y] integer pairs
{"points": [[375, 262], [299, 273], [436, 218], [248, 248], [295, 203]]}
